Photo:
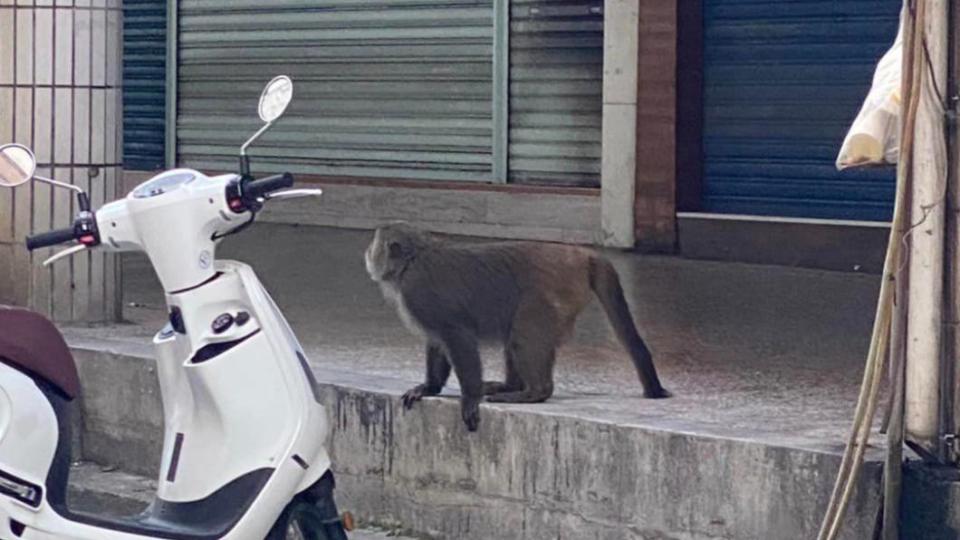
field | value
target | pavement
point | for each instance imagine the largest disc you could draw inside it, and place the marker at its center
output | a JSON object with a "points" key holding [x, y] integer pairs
{"points": [[763, 353]]}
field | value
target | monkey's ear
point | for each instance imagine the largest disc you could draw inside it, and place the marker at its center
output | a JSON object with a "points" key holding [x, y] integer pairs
{"points": [[395, 250]]}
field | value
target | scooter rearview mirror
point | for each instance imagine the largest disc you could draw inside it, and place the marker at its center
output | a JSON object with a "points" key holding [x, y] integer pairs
{"points": [[275, 98], [17, 165], [273, 102]]}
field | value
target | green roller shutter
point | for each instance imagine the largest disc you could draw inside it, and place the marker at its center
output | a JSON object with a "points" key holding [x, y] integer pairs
{"points": [[385, 88], [556, 91]]}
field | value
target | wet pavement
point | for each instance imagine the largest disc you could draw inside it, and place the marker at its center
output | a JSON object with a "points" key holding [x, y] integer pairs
{"points": [[759, 353]]}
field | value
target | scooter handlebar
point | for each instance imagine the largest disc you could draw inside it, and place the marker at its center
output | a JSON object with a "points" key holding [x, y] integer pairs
{"points": [[51, 238], [256, 189]]}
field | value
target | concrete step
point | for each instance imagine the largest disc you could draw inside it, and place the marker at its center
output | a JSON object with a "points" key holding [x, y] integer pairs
{"points": [[567, 469], [106, 491]]}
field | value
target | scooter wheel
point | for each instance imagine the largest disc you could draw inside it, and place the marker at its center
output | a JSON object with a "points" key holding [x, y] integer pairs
{"points": [[301, 521]]}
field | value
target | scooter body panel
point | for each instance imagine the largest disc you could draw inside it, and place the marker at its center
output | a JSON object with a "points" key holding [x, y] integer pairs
{"points": [[235, 399]]}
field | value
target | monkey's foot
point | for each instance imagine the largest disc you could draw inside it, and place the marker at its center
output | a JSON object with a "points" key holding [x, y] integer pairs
{"points": [[417, 393], [525, 396], [661, 393], [494, 387]]}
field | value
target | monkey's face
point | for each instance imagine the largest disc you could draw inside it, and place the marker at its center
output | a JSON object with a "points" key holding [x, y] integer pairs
{"points": [[391, 249]]}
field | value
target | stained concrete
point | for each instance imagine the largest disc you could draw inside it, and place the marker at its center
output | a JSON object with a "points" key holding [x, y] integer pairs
{"points": [[764, 362]]}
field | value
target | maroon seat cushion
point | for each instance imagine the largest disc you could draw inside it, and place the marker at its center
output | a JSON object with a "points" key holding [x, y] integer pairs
{"points": [[31, 342]]}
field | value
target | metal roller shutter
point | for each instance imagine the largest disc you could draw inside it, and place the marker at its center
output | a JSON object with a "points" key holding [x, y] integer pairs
{"points": [[783, 81], [144, 76], [388, 88], [556, 91]]}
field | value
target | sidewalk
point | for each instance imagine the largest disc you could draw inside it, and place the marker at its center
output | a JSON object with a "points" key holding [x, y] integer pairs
{"points": [[764, 362]]}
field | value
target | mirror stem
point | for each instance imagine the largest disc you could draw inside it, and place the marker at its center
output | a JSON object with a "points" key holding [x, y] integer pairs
{"points": [[244, 160], [63, 185]]}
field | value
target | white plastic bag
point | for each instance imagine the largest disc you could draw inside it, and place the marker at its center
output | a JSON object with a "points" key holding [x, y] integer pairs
{"points": [[874, 136]]}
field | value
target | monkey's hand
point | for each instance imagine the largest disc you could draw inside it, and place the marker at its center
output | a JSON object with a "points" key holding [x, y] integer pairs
{"points": [[470, 408], [417, 393]]}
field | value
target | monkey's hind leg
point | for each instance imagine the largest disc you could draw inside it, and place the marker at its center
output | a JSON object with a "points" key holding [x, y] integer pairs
{"points": [[512, 383], [531, 352], [438, 371]]}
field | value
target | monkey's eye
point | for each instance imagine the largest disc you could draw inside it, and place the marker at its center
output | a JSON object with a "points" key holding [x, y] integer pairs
{"points": [[395, 249]]}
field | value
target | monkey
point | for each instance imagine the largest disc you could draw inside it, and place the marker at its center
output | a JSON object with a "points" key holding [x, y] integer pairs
{"points": [[525, 296]]}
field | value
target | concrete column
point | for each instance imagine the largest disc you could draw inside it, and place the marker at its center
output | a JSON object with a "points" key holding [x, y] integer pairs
{"points": [[618, 171], [60, 78]]}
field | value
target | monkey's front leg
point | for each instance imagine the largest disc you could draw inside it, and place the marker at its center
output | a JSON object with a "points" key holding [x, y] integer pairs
{"points": [[464, 355], [438, 371]]}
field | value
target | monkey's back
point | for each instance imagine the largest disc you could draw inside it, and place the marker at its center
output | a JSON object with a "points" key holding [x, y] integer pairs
{"points": [[484, 284]]}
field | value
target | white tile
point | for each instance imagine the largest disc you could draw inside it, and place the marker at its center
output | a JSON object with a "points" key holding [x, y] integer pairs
{"points": [[98, 126], [63, 125], [114, 48], [63, 49], [98, 40], [23, 116], [81, 125], [24, 52], [43, 124], [43, 46], [112, 112], [81, 47], [6, 115], [6, 46]]}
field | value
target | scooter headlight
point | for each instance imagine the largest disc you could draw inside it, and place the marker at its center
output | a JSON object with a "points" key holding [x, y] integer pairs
{"points": [[20, 490]]}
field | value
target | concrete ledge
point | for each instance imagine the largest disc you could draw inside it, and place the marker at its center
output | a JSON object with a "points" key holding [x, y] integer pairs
{"points": [[534, 471], [573, 218], [529, 213]]}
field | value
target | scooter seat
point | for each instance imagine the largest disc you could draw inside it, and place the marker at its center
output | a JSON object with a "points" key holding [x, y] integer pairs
{"points": [[30, 342]]}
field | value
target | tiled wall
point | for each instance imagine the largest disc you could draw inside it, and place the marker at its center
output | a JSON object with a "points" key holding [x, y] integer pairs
{"points": [[60, 94]]}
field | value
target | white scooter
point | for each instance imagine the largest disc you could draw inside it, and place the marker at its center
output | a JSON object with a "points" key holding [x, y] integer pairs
{"points": [[244, 453]]}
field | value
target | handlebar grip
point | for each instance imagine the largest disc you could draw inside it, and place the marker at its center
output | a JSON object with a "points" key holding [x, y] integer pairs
{"points": [[51, 238], [258, 188]]}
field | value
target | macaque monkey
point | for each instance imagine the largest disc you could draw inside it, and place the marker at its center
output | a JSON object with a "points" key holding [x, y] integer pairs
{"points": [[523, 295]]}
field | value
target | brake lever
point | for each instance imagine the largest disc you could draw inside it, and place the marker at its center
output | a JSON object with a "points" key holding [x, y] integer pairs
{"points": [[65, 253], [294, 194]]}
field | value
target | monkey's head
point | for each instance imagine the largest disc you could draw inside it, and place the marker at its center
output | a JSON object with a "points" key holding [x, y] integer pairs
{"points": [[392, 249]]}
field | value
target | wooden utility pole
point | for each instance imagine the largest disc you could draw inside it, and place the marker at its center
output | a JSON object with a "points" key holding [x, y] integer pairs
{"points": [[928, 214]]}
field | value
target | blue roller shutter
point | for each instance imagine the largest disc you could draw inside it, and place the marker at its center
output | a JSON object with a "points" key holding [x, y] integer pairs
{"points": [[144, 60], [783, 81]]}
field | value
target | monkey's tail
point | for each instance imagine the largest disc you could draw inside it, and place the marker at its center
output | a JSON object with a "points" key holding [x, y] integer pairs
{"points": [[606, 285]]}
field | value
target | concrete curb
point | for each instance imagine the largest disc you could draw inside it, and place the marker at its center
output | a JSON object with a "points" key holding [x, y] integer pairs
{"points": [[531, 472]]}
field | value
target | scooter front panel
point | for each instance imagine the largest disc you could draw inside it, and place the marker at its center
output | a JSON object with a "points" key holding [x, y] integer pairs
{"points": [[28, 439]]}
